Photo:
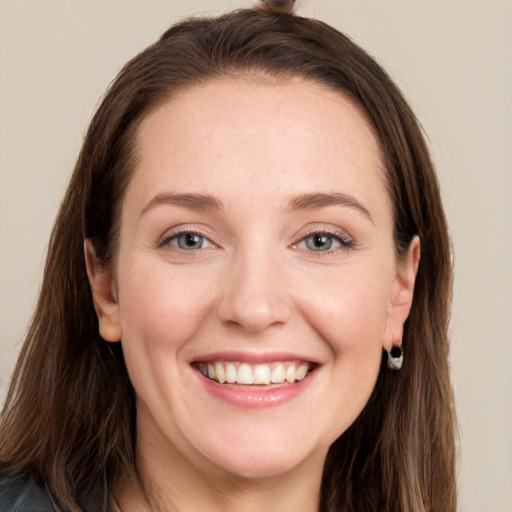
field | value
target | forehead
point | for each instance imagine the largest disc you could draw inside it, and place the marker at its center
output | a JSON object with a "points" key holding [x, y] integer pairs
{"points": [[278, 138]]}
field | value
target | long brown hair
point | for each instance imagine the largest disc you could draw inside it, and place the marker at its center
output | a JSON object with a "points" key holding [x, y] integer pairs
{"points": [[69, 417]]}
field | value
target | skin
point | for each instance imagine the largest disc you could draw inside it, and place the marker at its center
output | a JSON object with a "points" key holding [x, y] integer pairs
{"points": [[254, 286]]}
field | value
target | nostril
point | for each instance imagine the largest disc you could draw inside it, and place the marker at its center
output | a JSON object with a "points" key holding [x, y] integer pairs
{"points": [[251, 297], [255, 314]]}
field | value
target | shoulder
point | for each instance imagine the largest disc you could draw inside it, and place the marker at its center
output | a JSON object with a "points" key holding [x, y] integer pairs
{"points": [[19, 493]]}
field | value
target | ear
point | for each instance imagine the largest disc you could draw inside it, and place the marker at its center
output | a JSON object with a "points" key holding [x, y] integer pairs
{"points": [[103, 294], [401, 295]]}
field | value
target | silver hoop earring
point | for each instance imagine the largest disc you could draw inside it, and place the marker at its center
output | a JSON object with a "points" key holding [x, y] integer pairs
{"points": [[395, 357]]}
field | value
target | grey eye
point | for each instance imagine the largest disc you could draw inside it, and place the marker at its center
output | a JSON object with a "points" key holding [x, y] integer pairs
{"points": [[190, 241], [320, 242]]}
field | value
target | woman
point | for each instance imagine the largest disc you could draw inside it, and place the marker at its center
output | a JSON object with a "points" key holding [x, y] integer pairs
{"points": [[246, 295]]}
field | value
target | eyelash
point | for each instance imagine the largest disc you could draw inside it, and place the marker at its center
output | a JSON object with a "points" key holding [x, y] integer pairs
{"points": [[166, 240], [342, 238], [344, 241]]}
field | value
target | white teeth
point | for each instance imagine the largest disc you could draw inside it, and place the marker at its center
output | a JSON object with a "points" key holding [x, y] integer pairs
{"points": [[230, 373], [278, 374], [244, 374], [219, 370], [290, 373], [301, 372], [259, 374]]}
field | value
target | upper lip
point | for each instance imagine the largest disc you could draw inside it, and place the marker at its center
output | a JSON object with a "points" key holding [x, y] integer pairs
{"points": [[254, 357]]}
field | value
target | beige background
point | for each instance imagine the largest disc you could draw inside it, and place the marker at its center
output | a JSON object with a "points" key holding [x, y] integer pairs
{"points": [[452, 59]]}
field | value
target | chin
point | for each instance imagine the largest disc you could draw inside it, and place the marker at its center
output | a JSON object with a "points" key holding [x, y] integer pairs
{"points": [[261, 465], [262, 452]]}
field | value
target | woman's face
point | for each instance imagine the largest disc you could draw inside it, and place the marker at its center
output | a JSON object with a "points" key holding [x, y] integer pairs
{"points": [[255, 246]]}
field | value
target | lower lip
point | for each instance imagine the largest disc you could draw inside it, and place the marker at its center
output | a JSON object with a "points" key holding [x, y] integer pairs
{"points": [[254, 398]]}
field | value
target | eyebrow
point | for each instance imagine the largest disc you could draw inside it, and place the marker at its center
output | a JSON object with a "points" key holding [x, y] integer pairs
{"points": [[319, 200], [204, 202], [192, 201]]}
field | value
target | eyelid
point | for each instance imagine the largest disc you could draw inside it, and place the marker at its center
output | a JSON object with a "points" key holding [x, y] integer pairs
{"points": [[174, 233], [345, 240]]}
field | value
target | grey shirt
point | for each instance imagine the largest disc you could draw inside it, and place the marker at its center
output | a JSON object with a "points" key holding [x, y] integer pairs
{"points": [[21, 493]]}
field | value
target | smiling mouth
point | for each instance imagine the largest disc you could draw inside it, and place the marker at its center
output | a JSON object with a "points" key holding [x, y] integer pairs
{"points": [[233, 372]]}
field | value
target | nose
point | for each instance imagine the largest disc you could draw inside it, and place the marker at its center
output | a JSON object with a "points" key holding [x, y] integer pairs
{"points": [[255, 295]]}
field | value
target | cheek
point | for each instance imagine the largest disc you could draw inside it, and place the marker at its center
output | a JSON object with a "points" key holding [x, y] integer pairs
{"points": [[159, 312], [353, 326], [349, 309], [154, 300], [353, 373], [349, 312]]}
